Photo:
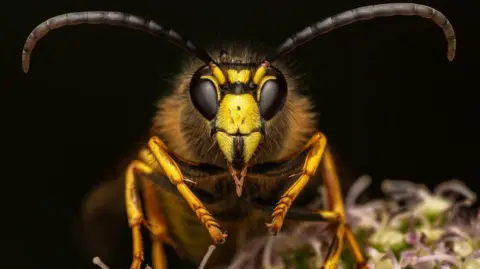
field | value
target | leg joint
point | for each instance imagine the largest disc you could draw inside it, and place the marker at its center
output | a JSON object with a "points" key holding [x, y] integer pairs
{"points": [[319, 136], [138, 166], [331, 216]]}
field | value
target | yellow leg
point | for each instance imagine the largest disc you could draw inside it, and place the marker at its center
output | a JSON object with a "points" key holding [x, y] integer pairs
{"points": [[355, 248], [319, 154], [332, 185], [158, 229], [156, 225], [172, 171], [134, 210], [317, 146]]}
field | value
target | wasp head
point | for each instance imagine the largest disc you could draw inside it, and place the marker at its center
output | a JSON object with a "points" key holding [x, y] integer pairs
{"points": [[238, 100]]}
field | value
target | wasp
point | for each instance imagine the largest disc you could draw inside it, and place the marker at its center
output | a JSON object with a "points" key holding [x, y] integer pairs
{"points": [[234, 146]]}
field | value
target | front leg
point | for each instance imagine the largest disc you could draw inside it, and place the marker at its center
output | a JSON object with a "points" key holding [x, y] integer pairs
{"points": [[319, 154], [317, 146], [134, 207], [172, 171]]}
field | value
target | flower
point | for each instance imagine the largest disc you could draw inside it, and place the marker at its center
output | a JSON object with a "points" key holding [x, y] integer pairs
{"points": [[411, 227]]}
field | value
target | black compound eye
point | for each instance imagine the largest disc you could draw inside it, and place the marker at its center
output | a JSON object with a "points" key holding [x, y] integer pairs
{"points": [[272, 97], [203, 94]]}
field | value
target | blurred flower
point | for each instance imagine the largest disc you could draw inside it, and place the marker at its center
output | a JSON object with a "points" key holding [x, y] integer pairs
{"points": [[411, 227]]}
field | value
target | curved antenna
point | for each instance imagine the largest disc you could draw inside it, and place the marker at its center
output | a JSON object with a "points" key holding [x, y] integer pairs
{"points": [[361, 14], [111, 18]]}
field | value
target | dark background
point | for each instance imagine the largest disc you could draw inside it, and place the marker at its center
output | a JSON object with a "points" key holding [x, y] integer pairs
{"points": [[390, 102]]}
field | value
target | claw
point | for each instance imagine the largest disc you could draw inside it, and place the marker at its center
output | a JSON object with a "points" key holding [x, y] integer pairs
{"points": [[275, 226], [217, 236]]}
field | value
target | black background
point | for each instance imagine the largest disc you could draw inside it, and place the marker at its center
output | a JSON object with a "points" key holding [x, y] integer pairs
{"points": [[390, 102]]}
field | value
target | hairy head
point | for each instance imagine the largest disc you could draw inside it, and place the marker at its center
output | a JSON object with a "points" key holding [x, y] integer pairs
{"points": [[242, 119]]}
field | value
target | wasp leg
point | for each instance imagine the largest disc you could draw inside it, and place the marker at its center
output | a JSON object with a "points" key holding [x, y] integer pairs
{"points": [[317, 146], [134, 210], [319, 154], [332, 217], [172, 171], [156, 224], [335, 201], [355, 248]]}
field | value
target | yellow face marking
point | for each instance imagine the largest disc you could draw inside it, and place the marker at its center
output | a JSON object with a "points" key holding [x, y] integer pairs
{"points": [[227, 145], [235, 76], [264, 79], [215, 81], [217, 73], [238, 113], [225, 142], [261, 71], [250, 144]]}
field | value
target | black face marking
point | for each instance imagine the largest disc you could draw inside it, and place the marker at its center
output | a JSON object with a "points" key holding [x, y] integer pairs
{"points": [[273, 93], [238, 151], [238, 65], [237, 88]]}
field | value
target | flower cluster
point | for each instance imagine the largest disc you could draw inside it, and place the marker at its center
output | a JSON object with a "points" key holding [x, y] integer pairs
{"points": [[411, 227], [421, 229]]}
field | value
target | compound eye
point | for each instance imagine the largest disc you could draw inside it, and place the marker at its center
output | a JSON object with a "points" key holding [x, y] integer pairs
{"points": [[203, 93], [272, 97]]}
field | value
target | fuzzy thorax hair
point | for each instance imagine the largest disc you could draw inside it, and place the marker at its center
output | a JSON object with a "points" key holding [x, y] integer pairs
{"points": [[187, 134]]}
